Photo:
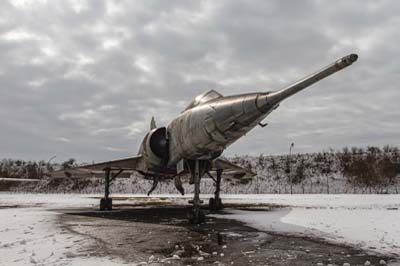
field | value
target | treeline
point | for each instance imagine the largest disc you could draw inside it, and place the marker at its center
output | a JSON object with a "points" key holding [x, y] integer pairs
{"points": [[350, 170], [10, 168], [372, 167]]}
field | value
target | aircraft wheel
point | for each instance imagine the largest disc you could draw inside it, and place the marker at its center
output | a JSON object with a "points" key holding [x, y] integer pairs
{"points": [[218, 204], [196, 217], [211, 204], [215, 204], [109, 204], [105, 204]]}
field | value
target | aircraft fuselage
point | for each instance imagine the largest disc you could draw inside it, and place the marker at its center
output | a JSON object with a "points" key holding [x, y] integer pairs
{"points": [[204, 131], [212, 122]]}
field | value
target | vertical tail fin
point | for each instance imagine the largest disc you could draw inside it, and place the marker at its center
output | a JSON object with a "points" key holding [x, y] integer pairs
{"points": [[153, 123]]}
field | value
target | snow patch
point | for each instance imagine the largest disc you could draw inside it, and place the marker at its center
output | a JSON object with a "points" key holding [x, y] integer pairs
{"points": [[369, 222]]}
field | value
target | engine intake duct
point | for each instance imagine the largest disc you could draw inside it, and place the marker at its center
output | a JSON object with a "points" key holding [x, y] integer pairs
{"points": [[159, 143]]}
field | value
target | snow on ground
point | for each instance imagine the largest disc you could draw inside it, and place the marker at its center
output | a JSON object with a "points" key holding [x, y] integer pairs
{"points": [[370, 222], [31, 236]]}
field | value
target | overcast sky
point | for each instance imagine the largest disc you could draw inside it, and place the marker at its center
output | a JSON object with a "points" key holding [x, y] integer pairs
{"points": [[82, 79]]}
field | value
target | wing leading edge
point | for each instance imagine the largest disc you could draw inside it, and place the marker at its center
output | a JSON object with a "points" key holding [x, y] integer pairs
{"points": [[128, 165], [234, 171]]}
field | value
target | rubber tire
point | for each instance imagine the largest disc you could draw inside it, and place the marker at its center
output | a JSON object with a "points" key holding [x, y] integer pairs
{"points": [[218, 204], [109, 204], [105, 204], [215, 205], [211, 204], [192, 217]]}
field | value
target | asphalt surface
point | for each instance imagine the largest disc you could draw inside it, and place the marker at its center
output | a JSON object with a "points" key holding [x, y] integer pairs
{"points": [[161, 235]]}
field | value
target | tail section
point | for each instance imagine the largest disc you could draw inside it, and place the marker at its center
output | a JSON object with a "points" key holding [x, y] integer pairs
{"points": [[153, 123]]}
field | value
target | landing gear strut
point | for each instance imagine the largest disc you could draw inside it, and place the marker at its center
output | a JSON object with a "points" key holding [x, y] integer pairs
{"points": [[106, 202], [196, 215], [215, 203]]}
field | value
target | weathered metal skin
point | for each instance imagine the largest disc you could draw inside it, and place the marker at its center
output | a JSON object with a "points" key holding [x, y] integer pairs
{"points": [[200, 134], [204, 131], [155, 151], [212, 122], [191, 142], [275, 97]]}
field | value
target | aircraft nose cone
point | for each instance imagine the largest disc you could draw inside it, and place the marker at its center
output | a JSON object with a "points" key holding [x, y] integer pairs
{"points": [[353, 57], [350, 59]]}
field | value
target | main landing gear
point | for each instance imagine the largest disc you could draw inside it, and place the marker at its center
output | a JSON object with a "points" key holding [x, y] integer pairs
{"points": [[197, 170], [106, 202], [215, 204]]}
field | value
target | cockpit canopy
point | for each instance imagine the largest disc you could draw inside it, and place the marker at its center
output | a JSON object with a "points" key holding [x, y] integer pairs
{"points": [[203, 98]]}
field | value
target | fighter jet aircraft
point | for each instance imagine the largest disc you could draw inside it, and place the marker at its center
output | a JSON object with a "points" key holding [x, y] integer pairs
{"points": [[193, 142]]}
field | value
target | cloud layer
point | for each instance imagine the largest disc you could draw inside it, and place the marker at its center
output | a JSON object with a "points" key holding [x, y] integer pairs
{"points": [[82, 78]]}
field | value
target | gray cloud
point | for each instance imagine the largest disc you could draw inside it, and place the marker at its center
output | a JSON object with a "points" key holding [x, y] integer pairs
{"points": [[83, 78]]}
